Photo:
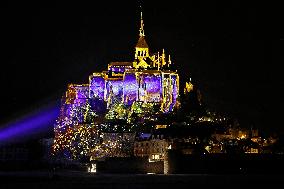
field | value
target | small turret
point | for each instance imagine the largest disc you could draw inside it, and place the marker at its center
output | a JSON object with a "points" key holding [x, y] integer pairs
{"points": [[169, 61], [163, 58]]}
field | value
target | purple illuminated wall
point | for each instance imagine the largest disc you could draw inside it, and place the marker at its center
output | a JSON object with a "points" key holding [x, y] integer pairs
{"points": [[82, 97], [120, 69], [116, 86], [117, 69], [152, 84], [133, 85], [130, 89], [97, 87], [79, 101], [175, 90], [82, 92]]}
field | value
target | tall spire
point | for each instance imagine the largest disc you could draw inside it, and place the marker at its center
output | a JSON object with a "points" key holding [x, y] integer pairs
{"points": [[141, 30], [141, 48]]}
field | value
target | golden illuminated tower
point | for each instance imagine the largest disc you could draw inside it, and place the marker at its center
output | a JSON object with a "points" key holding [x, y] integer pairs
{"points": [[142, 48]]}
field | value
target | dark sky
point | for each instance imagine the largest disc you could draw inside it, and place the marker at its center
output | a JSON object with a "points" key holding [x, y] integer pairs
{"points": [[227, 49]]}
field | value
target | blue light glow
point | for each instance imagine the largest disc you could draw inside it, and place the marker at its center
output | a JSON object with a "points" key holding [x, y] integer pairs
{"points": [[34, 123]]}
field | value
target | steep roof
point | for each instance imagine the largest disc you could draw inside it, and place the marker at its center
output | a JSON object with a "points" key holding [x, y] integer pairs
{"points": [[142, 43]]}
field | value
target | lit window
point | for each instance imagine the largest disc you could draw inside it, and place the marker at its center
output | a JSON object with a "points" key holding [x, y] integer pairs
{"points": [[93, 168]]}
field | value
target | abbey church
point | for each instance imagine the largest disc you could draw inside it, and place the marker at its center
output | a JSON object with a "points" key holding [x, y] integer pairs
{"points": [[148, 79]]}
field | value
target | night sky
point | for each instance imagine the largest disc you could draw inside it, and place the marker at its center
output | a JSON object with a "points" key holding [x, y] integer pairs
{"points": [[226, 49]]}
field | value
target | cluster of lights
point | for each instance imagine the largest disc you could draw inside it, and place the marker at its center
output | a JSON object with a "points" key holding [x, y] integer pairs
{"points": [[113, 145], [76, 135], [76, 141], [72, 135], [123, 112]]}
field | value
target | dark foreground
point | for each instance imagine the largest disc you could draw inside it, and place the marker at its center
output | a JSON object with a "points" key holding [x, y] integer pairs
{"points": [[76, 179]]}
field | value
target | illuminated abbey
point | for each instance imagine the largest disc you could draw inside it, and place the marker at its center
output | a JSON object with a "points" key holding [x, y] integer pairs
{"points": [[101, 118], [129, 111], [148, 79]]}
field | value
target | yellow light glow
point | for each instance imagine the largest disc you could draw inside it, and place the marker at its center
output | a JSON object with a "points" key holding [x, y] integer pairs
{"points": [[243, 136]]}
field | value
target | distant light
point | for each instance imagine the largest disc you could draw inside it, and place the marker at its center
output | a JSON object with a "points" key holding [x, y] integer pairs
{"points": [[92, 168]]}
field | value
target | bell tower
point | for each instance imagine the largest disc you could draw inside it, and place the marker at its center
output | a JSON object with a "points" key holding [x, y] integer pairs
{"points": [[141, 48]]}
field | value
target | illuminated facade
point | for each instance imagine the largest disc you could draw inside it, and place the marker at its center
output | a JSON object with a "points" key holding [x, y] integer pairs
{"points": [[154, 148], [148, 79]]}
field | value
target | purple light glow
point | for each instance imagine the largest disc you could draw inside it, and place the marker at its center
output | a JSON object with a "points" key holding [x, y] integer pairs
{"points": [[115, 69], [34, 123], [97, 87], [116, 86], [80, 101], [130, 89], [174, 84], [128, 85], [82, 92], [153, 86], [118, 69]]}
